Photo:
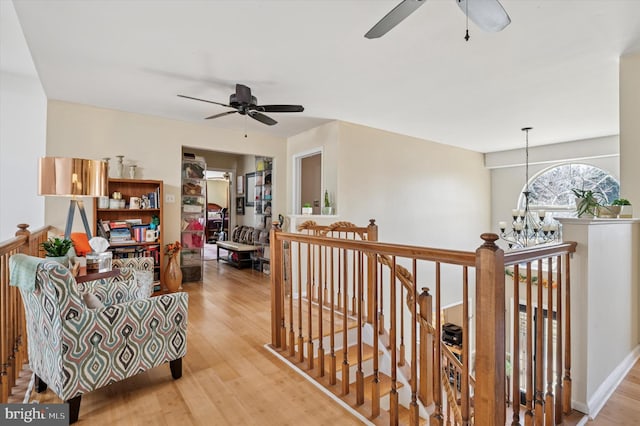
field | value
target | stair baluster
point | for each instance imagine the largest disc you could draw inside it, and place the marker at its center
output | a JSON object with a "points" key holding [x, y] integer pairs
{"points": [[332, 323], [549, 405], [345, 315]]}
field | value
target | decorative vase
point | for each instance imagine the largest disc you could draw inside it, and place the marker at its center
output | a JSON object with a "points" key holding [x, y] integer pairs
{"points": [[132, 171], [173, 274], [118, 167], [626, 211], [327, 210], [307, 210]]}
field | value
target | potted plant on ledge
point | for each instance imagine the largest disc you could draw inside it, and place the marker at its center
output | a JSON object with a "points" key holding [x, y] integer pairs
{"points": [[327, 209], [587, 202], [626, 209], [307, 209], [56, 249]]}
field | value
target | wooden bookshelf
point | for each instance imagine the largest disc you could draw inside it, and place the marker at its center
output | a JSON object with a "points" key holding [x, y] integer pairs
{"points": [[135, 188]]}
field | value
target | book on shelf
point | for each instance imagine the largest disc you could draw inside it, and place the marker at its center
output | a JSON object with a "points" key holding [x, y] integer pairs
{"points": [[114, 224], [153, 200], [120, 235]]}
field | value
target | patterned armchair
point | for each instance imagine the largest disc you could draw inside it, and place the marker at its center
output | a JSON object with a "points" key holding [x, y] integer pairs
{"points": [[74, 349]]}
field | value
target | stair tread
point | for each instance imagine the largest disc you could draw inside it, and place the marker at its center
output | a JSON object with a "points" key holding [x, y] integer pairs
{"points": [[326, 322], [404, 416], [352, 355], [385, 385]]}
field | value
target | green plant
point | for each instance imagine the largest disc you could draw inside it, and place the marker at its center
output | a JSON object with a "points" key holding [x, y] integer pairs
{"points": [[621, 202], [326, 199], [589, 201], [306, 205], [56, 247]]}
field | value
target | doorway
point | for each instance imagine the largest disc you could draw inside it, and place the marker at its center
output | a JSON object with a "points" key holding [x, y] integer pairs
{"points": [[217, 216], [308, 181]]}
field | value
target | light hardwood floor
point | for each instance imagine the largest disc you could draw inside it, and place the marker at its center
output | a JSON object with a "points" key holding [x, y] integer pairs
{"points": [[623, 408], [229, 378]]}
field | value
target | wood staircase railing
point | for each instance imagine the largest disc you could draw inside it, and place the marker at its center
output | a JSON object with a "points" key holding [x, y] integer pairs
{"points": [[338, 313], [13, 337]]}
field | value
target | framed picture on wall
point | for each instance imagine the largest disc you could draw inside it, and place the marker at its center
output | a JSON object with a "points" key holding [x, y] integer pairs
{"points": [[239, 205], [249, 191], [240, 185]]}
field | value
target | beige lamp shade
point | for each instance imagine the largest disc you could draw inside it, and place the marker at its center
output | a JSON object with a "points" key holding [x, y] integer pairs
{"points": [[72, 177]]}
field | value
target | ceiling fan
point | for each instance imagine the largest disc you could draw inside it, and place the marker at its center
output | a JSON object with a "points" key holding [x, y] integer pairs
{"points": [[488, 15], [245, 104]]}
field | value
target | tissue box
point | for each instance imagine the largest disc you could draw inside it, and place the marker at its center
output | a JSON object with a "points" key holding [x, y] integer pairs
{"points": [[99, 262]]}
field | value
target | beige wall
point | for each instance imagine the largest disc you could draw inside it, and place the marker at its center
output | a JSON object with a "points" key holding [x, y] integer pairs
{"points": [[217, 192], [154, 143], [419, 192], [324, 138], [630, 129]]}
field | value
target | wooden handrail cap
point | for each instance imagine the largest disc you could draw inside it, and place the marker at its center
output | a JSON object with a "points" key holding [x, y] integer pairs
{"points": [[489, 238]]}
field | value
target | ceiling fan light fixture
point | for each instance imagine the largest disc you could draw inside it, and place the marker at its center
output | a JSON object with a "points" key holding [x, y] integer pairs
{"points": [[488, 15]]}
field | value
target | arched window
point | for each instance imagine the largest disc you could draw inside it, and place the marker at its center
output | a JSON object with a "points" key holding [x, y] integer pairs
{"points": [[550, 190]]}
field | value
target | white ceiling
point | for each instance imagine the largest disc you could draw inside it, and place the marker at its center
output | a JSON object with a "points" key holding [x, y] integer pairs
{"points": [[554, 68]]}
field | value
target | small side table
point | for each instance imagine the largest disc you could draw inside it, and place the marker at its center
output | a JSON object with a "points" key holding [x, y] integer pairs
{"points": [[84, 277]]}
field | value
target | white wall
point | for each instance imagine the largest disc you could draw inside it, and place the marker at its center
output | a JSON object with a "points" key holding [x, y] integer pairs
{"points": [[23, 119], [154, 143], [605, 322], [508, 170]]}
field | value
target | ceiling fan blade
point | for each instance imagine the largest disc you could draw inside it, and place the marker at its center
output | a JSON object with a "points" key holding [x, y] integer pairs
{"points": [[204, 100], [280, 108], [488, 15], [262, 118], [393, 18], [222, 114]]}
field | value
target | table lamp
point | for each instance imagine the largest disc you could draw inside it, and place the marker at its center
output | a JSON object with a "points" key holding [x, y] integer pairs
{"points": [[73, 177]]}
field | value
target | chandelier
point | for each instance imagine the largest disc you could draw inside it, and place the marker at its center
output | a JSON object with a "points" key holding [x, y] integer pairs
{"points": [[528, 228]]}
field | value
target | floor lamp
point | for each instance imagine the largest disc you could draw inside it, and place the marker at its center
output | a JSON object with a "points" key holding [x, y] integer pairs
{"points": [[73, 177]]}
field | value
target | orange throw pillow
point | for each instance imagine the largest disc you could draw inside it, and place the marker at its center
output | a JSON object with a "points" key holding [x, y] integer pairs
{"points": [[80, 243]]}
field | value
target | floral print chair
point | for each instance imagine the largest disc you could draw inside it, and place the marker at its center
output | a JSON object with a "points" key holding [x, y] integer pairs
{"points": [[74, 349]]}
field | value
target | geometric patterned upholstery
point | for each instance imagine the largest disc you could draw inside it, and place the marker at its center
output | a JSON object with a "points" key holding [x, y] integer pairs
{"points": [[75, 350], [144, 267]]}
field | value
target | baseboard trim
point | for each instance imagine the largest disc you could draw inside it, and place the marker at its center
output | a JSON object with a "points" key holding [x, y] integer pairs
{"points": [[343, 404], [611, 383]]}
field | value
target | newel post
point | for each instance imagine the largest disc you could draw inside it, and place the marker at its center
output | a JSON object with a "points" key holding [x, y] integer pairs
{"points": [[24, 231], [372, 264], [490, 408], [277, 286]]}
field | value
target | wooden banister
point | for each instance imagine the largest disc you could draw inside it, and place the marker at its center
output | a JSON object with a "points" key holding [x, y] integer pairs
{"points": [[359, 279], [13, 334]]}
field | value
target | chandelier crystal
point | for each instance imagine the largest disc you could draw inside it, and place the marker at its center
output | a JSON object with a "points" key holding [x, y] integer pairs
{"points": [[528, 228]]}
